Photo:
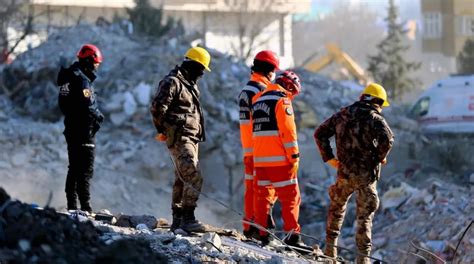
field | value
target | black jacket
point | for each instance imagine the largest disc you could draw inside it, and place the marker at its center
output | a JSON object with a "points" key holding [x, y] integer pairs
{"points": [[77, 101]]}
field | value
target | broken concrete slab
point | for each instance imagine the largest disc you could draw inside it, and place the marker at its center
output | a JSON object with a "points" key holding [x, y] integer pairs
{"points": [[134, 220]]}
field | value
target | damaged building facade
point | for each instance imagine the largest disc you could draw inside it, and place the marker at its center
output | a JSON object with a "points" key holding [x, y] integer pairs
{"points": [[236, 27]]}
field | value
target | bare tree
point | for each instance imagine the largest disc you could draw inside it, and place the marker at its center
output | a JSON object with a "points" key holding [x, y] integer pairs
{"points": [[14, 14], [252, 18]]}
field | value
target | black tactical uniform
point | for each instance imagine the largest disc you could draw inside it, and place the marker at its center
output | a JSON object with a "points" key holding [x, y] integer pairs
{"points": [[82, 119]]}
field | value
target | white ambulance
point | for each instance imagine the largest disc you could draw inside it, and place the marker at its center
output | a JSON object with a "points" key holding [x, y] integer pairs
{"points": [[447, 106]]}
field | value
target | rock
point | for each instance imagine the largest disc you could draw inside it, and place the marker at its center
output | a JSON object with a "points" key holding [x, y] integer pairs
{"points": [[394, 197], [118, 118], [3, 116], [78, 215], [276, 260], [142, 93], [4, 197], [436, 245], [5, 165], [24, 245], [105, 211], [141, 227], [114, 104], [163, 222], [134, 220], [129, 104], [19, 159], [380, 241], [47, 249], [421, 197], [137, 251], [306, 117], [211, 240]]}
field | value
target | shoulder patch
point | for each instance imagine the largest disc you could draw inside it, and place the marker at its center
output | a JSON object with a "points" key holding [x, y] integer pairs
{"points": [[64, 89], [286, 101], [87, 93], [289, 111]]}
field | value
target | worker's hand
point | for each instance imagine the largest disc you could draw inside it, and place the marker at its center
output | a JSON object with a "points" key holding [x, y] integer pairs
{"points": [[160, 137], [384, 161], [334, 163]]}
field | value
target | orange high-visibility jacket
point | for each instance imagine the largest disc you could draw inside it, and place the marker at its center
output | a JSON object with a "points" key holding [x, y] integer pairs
{"points": [[274, 129], [256, 85]]}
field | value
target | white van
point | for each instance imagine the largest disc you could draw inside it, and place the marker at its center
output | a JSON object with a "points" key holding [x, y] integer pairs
{"points": [[447, 106]]}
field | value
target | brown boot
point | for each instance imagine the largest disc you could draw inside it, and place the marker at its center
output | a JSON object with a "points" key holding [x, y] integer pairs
{"points": [[330, 250], [189, 222], [177, 217]]}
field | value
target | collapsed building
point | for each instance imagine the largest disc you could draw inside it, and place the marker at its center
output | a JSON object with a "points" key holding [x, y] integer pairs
{"points": [[134, 175]]}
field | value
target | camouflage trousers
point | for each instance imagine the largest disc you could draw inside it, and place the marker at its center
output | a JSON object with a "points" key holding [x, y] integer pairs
{"points": [[367, 202], [184, 153]]}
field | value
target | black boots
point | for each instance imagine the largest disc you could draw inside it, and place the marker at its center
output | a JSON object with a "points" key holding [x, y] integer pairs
{"points": [[251, 233], [295, 241], [72, 203], [189, 222], [270, 222], [177, 215]]}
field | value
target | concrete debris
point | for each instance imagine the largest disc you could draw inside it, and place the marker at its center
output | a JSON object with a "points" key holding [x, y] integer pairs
{"points": [[19, 159], [52, 236], [435, 213], [211, 241], [394, 197], [129, 104], [143, 93], [416, 202], [43, 236], [24, 245], [147, 221]]}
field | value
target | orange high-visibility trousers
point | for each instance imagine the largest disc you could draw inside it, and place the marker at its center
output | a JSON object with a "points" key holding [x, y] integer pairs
{"points": [[282, 182], [248, 192]]}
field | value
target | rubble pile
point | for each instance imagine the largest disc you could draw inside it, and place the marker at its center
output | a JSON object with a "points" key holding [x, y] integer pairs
{"points": [[134, 174], [433, 217], [34, 235], [29, 235], [127, 81]]}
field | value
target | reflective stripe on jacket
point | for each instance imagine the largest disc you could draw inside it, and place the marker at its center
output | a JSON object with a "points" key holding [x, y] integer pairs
{"points": [[274, 129], [256, 84]]}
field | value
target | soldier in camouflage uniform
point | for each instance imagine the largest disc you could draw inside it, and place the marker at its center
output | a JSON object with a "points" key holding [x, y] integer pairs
{"points": [[363, 141], [178, 118]]}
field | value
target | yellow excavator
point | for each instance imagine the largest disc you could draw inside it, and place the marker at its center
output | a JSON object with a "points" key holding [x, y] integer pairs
{"points": [[335, 54]]}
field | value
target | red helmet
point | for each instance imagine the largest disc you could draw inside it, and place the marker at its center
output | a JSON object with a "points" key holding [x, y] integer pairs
{"points": [[290, 81], [269, 57], [89, 50]]}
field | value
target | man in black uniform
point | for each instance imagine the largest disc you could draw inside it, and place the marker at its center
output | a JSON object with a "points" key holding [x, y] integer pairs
{"points": [[82, 119]]}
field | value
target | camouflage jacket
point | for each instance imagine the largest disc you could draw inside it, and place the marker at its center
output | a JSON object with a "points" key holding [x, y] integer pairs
{"points": [[363, 138], [176, 106]]}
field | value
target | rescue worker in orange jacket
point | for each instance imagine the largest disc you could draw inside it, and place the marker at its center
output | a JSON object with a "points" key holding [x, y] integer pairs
{"points": [[264, 66], [276, 155]]}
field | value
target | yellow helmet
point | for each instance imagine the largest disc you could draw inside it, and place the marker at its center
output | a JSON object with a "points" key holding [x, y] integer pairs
{"points": [[199, 55], [376, 90]]}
